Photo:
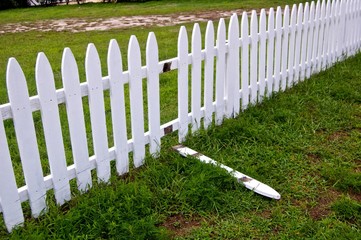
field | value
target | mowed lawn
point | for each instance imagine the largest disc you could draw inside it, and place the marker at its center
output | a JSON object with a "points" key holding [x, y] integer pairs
{"points": [[304, 142]]}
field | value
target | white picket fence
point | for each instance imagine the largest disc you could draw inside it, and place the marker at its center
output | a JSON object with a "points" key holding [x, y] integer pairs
{"points": [[280, 49]]}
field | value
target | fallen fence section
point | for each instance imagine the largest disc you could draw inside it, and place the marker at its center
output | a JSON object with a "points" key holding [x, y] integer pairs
{"points": [[260, 56]]}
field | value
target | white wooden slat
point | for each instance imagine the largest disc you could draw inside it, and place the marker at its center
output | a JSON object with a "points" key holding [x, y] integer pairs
{"points": [[117, 103], [182, 83], [196, 77], [9, 196], [208, 74], [97, 112], [26, 136], [341, 30], [355, 26], [153, 94], [245, 61], [321, 35], [310, 39], [345, 28], [358, 40], [136, 101], [325, 52], [351, 27], [298, 43], [270, 52], [232, 69], [278, 50], [74, 108], [291, 52], [331, 39], [304, 41], [315, 46], [52, 128], [254, 58], [220, 71], [285, 45], [262, 55]]}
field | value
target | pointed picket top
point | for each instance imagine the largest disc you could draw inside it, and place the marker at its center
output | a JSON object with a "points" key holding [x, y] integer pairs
{"points": [[182, 84], [285, 46], [196, 77], [208, 74], [245, 61], [152, 59], [93, 73], [254, 58], [278, 49], [26, 136], [262, 54], [52, 128], [136, 101], [117, 101], [220, 72], [304, 41], [321, 35], [298, 42], [315, 38], [310, 39], [270, 51], [74, 108]]}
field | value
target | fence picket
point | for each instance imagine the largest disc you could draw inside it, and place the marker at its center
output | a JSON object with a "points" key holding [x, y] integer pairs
{"points": [[315, 39], [153, 94], [74, 108], [116, 82], [304, 41], [52, 128], [9, 196], [291, 53], [182, 84], [270, 52], [325, 47], [254, 58], [220, 71], [245, 61], [332, 37], [262, 55], [97, 112], [278, 50], [286, 24], [208, 74], [26, 136], [298, 43], [196, 77], [232, 69], [310, 39], [320, 36], [136, 101], [341, 29]]}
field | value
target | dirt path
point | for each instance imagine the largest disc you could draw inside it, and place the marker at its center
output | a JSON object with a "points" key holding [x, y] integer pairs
{"points": [[82, 25]]}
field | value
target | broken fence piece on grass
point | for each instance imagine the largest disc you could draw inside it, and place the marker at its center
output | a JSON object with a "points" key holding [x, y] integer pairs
{"points": [[247, 181]]}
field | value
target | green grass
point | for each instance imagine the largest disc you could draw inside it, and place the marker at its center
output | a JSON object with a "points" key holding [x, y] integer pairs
{"points": [[305, 143], [91, 11]]}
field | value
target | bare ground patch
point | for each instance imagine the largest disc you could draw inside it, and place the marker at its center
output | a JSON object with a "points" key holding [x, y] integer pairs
{"points": [[180, 225]]}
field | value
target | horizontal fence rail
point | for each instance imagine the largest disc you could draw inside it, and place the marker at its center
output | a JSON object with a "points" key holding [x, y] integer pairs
{"points": [[263, 54]]}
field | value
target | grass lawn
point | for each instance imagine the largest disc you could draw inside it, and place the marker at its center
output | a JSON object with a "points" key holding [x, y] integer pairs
{"points": [[305, 143]]}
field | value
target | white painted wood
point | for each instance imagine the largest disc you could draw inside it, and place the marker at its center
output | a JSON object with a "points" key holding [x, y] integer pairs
{"points": [[232, 69], [74, 108], [26, 136], [278, 51], [254, 58], [325, 52], [341, 30], [52, 128], [208, 74], [291, 52], [153, 94], [262, 55], [298, 43], [310, 39], [182, 84], [332, 35], [270, 52], [315, 46], [136, 101], [285, 45], [320, 36], [304, 41], [9, 196], [97, 112], [220, 71], [117, 103], [196, 77], [245, 61]]}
